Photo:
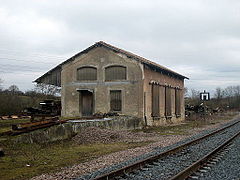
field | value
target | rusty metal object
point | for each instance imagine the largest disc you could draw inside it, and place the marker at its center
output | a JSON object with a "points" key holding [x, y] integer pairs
{"points": [[32, 124], [141, 163], [12, 117], [28, 127], [35, 127], [201, 109], [6, 133]]}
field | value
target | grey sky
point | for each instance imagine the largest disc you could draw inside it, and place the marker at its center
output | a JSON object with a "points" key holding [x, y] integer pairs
{"points": [[197, 38]]}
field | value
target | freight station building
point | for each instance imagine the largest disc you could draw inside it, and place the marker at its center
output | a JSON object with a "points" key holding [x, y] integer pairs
{"points": [[104, 78]]}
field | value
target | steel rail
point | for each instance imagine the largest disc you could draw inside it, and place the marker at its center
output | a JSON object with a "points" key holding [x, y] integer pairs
{"points": [[139, 164], [28, 127], [198, 164]]}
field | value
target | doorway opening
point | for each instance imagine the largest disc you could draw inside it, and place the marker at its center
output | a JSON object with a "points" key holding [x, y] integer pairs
{"points": [[86, 102]]}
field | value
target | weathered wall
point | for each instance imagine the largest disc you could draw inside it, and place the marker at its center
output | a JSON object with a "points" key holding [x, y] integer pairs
{"points": [[132, 91], [150, 75], [67, 130]]}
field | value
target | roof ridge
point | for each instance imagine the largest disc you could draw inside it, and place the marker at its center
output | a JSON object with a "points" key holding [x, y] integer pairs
{"points": [[142, 59], [127, 53]]}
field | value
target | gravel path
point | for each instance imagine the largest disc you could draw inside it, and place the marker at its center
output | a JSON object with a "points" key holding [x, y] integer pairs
{"points": [[114, 158]]}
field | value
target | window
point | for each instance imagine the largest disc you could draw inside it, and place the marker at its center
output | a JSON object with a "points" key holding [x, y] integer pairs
{"points": [[168, 104], [115, 100], [87, 74], [155, 100], [115, 73], [177, 102]]}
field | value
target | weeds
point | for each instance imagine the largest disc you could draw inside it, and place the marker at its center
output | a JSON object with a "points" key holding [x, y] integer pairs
{"points": [[6, 125], [184, 128], [23, 161]]}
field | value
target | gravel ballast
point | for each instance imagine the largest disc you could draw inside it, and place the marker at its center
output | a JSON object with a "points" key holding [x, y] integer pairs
{"points": [[171, 165], [99, 135], [228, 167]]}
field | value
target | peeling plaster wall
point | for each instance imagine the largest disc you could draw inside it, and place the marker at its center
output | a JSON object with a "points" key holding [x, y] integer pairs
{"points": [[132, 91], [69, 129], [163, 79], [136, 90]]}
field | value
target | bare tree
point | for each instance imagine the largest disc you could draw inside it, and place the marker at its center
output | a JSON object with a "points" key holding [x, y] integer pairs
{"points": [[219, 93], [236, 91], [1, 82], [229, 91], [192, 96], [13, 89], [195, 94], [185, 92]]}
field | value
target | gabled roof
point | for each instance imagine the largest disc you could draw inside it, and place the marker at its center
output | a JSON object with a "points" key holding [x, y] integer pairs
{"points": [[117, 50]]}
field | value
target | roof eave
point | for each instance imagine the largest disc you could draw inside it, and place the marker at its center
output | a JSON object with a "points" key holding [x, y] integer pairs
{"points": [[165, 70], [103, 44]]}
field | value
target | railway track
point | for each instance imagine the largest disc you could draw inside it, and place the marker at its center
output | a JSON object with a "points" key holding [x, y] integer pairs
{"points": [[178, 162], [196, 170]]}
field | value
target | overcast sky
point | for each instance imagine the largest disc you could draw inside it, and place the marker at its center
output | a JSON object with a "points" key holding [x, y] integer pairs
{"points": [[197, 38]]}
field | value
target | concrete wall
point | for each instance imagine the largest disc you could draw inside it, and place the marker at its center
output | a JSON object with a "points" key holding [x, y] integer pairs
{"points": [[132, 91], [68, 130], [150, 75], [136, 90]]}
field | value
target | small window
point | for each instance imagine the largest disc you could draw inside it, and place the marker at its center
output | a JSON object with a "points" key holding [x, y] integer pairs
{"points": [[115, 100], [113, 73], [87, 74]]}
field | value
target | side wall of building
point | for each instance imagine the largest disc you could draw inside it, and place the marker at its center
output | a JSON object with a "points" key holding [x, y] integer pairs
{"points": [[162, 81], [100, 58]]}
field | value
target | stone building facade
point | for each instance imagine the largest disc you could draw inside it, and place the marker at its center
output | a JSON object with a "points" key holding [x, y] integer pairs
{"points": [[104, 78]]}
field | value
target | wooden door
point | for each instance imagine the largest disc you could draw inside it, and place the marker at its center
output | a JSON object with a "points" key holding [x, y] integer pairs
{"points": [[168, 102], [115, 100], [155, 100], [87, 103], [177, 102]]}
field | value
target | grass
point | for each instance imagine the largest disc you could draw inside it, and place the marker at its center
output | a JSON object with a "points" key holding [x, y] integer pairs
{"points": [[48, 157], [6, 125], [45, 158], [183, 129]]}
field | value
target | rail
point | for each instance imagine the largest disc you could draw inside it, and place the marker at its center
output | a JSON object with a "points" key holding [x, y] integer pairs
{"points": [[141, 163], [195, 166]]}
